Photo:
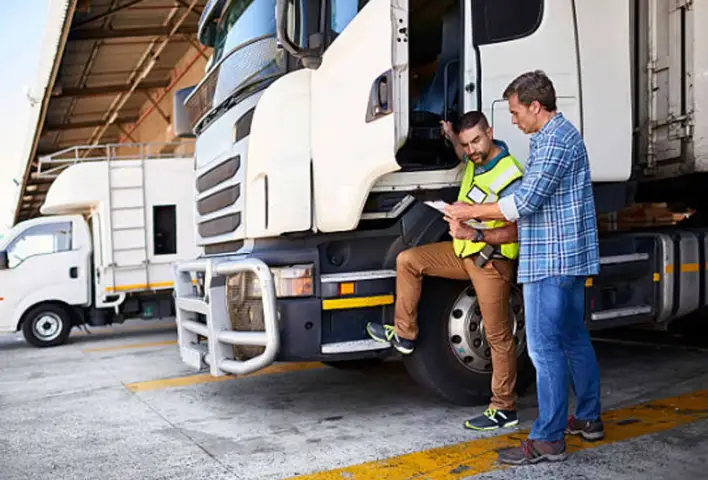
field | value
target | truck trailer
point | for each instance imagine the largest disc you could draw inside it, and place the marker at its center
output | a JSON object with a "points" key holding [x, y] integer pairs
{"points": [[115, 217], [317, 128]]}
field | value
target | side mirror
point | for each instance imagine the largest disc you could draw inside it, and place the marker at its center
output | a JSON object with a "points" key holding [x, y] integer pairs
{"points": [[209, 34], [181, 123], [4, 260], [311, 57]]}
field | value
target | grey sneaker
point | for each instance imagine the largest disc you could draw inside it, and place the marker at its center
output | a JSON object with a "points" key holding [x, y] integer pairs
{"points": [[590, 430], [534, 451]]}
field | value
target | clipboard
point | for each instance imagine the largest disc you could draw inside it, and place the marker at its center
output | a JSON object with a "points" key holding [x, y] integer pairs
{"points": [[440, 205]]}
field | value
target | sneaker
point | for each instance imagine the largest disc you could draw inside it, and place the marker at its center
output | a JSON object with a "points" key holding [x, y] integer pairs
{"points": [[590, 430], [386, 334], [492, 419], [534, 451]]}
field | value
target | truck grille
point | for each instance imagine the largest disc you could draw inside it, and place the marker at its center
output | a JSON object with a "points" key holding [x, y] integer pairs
{"points": [[222, 199], [219, 174]]}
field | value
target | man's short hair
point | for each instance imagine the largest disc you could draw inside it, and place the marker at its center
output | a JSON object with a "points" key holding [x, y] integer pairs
{"points": [[472, 119], [533, 86]]}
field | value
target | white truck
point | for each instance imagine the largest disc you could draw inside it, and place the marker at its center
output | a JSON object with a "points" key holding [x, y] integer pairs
{"points": [[323, 122], [112, 224]]}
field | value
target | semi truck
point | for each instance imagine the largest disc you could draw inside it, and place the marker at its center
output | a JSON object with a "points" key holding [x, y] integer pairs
{"points": [[317, 127], [113, 220]]}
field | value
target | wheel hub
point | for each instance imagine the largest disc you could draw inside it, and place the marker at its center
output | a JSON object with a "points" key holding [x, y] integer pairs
{"points": [[47, 326], [467, 338]]}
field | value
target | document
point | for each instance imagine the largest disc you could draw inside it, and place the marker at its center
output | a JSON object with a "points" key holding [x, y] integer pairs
{"points": [[440, 205]]}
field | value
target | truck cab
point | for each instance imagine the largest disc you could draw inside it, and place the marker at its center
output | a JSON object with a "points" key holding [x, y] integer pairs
{"points": [[45, 263]]}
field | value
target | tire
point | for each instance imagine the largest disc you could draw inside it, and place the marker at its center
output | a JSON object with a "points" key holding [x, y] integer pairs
{"points": [[46, 325], [362, 364], [435, 365]]}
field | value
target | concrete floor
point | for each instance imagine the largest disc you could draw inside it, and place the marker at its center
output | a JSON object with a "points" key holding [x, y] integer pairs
{"points": [[83, 411]]}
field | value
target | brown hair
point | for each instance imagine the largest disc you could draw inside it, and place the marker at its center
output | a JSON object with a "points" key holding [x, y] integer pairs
{"points": [[533, 86]]}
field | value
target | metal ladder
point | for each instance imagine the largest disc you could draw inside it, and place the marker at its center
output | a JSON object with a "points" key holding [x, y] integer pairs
{"points": [[118, 192]]}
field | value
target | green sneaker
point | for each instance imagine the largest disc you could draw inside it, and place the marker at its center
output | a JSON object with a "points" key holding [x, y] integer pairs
{"points": [[386, 334], [492, 419]]}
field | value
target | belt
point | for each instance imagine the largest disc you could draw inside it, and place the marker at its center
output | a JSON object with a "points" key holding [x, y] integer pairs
{"points": [[486, 254]]}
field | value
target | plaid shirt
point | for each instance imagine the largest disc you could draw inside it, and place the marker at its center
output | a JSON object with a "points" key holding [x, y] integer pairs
{"points": [[554, 206]]}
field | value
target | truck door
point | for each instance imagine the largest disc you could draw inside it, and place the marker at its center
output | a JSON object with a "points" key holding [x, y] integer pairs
{"points": [[359, 111], [506, 38], [48, 260]]}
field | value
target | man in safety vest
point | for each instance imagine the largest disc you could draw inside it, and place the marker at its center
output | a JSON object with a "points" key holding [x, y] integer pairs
{"points": [[484, 253]]}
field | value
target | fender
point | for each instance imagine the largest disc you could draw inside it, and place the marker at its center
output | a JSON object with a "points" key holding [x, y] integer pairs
{"points": [[45, 295]]}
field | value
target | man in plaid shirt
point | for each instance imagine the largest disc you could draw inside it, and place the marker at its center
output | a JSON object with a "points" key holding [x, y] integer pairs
{"points": [[555, 211]]}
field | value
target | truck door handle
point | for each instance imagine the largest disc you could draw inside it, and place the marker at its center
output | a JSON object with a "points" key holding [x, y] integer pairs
{"points": [[74, 272]]}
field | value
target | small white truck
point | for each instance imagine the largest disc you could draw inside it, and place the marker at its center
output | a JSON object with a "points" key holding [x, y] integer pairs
{"points": [[112, 225]]}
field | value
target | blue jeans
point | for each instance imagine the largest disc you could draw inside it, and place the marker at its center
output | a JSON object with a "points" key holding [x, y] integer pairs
{"points": [[559, 345]]}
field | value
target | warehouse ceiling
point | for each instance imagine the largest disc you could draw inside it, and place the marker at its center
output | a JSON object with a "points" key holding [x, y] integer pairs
{"points": [[117, 55]]}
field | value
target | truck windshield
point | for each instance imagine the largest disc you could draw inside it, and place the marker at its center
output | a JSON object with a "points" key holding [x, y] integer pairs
{"points": [[245, 54], [39, 240]]}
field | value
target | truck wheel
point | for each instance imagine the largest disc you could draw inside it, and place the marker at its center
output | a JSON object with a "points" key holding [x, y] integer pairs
{"points": [[452, 358], [46, 325]]}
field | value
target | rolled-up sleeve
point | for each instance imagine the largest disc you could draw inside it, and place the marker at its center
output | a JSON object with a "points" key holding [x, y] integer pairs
{"points": [[550, 161], [507, 205]]}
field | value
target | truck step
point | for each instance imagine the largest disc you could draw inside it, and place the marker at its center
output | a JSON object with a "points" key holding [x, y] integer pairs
{"points": [[354, 346], [616, 313]]}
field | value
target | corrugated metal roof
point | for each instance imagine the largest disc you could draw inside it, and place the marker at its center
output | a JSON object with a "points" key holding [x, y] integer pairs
{"points": [[102, 57]]}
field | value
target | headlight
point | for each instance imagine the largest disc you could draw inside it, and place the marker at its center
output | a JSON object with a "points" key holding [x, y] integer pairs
{"points": [[292, 281]]}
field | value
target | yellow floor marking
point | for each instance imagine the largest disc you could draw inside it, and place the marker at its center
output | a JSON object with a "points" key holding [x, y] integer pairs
{"points": [[207, 378], [129, 347], [480, 456]]}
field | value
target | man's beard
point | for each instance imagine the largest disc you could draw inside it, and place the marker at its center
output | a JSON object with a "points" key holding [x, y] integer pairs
{"points": [[480, 158]]}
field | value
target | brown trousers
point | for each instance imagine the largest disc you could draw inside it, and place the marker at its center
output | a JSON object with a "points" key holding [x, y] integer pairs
{"points": [[493, 289]]}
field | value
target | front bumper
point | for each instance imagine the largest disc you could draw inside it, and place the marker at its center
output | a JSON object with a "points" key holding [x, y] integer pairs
{"points": [[218, 354], [316, 328]]}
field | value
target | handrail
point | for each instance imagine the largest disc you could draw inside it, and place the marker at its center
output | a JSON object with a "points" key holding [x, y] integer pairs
{"points": [[51, 165]]}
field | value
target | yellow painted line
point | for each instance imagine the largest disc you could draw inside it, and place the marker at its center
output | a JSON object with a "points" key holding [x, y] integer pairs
{"points": [[657, 277], [140, 286], [690, 267], [479, 456], [356, 302], [207, 378], [130, 347]]}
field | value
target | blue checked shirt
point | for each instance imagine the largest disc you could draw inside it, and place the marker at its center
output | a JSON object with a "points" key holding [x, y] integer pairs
{"points": [[554, 206]]}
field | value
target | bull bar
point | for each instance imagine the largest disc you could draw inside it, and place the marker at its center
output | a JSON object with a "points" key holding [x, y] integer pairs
{"points": [[220, 336]]}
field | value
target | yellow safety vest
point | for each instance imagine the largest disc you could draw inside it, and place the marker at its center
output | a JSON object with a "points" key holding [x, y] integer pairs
{"points": [[486, 188]]}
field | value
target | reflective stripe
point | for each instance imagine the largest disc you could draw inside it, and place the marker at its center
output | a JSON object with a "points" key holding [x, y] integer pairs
{"points": [[491, 198], [504, 179]]}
